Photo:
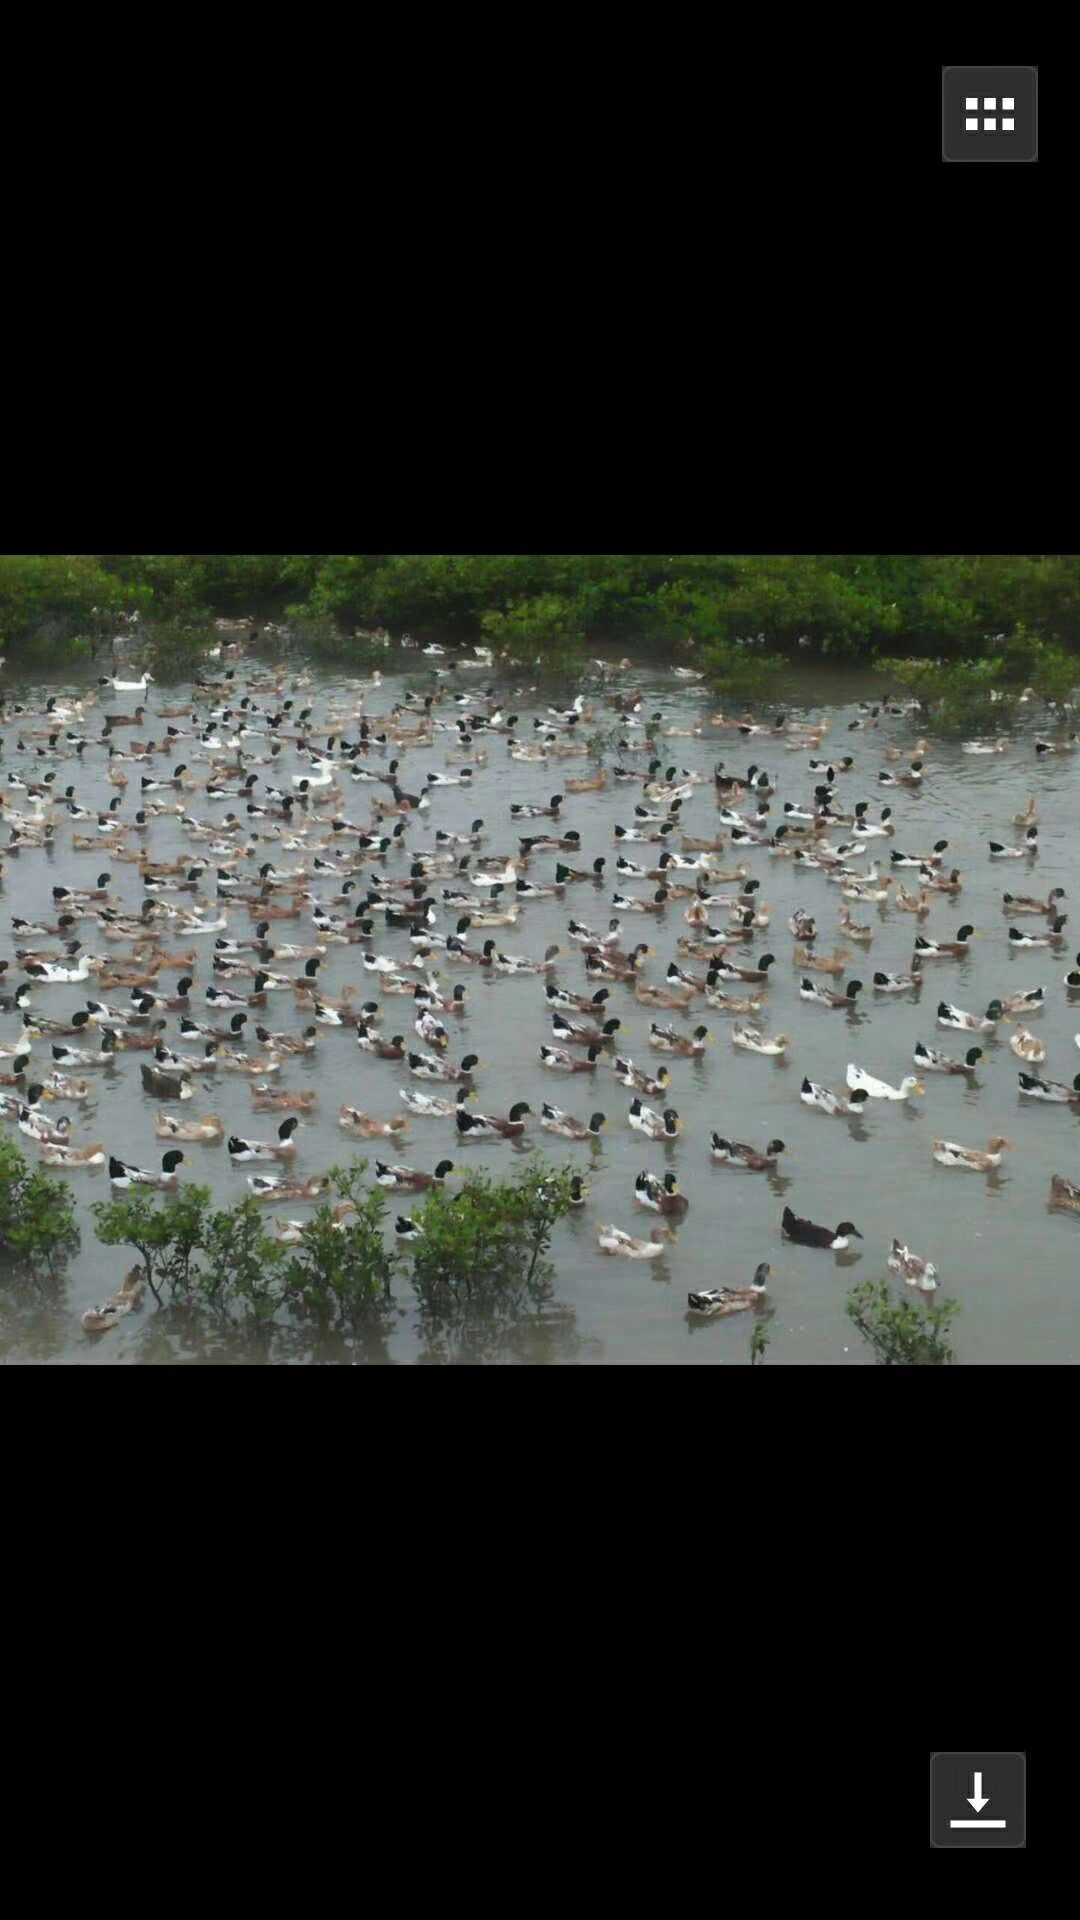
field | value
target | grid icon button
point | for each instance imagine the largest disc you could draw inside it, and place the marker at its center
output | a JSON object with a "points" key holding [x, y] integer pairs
{"points": [[989, 113]]}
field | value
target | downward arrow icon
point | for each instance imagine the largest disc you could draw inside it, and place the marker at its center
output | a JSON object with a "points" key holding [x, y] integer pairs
{"points": [[976, 1799]]}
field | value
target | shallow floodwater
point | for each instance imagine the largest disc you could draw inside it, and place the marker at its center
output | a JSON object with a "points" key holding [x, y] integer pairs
{"points": [[1011, 1262]]}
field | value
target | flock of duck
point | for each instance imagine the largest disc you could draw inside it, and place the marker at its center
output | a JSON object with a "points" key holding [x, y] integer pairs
{"points": [[281, 870]]}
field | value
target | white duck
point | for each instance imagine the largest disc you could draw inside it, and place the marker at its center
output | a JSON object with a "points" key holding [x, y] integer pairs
{"points": [[813, 1095], [613, 1240], [862, 1082], [752, 1040], [948, 1154], [128, 686], [1027, 1047], [49, 973], [917, 1273]]}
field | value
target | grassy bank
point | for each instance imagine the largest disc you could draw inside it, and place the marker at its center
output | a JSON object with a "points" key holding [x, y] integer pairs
{"points": [[1013, 617]]}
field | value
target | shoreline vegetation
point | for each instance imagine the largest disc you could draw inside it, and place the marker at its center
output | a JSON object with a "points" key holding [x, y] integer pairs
{"points": [[959, 633]]}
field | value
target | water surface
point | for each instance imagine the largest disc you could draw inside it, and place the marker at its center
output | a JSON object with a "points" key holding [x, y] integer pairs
{"points": [[999, 1250]]}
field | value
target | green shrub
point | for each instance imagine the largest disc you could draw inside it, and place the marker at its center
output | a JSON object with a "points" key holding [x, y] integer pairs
{"points": [[544, 633], [489, 1235], [902, 1332], [481, 1271], [739, 673], [227, 1264], [38, 1233], [176, 650]]}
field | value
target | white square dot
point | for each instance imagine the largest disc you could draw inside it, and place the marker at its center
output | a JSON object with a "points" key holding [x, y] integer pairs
{"points": [[990, 126], [989, 105], [1007, 126], [1008, 105], [973, 105], [971, 126]]}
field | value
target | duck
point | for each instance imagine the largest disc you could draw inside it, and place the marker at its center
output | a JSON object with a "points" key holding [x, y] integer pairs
{"points": [[1064, 1193], [581, 1003], [660, 1196], [271, 1188], [688, 1047], [897, 982], [117, 685], [726, 970], [824, 998], [584, 936], [655, 1126], [715, 1303], [351, 1120], [1017, 903], [226, 1001], [424, 1066], [430, 1104], [61, 1088], [486, 1126], [806, 1234], [950, 1016], [673, 999], [576, 1033], [265, 1100], [1027, 1046], [369, 1042], [209, 1130], [82, 1057], [122, 1176], [812, 964], [752, 1040], [912, 779], [52, 974], [283, 1148], [290, 1233], [869, 890], [162, 1085], [929, 1060], [1051, 939], [917, 1273], [560, 1062], [516, 962], [124, 1301], [948, 1154], [55, 1154], [32, 1121], [655, 905], [611, 967], [733, 1153], [288, 1042], [553, 1120], [550, 812], [409, 1179], [853, 930], [612, 1239], [1055, 1090], [999, 851], [813, 1095], [946, 949], [917, 903], [862, 1082], [630, 1076]]}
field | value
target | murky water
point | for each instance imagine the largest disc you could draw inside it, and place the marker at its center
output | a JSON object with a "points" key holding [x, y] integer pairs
{"points": [[1011, 1262]]}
